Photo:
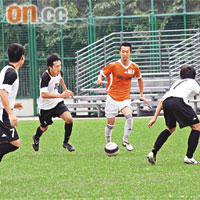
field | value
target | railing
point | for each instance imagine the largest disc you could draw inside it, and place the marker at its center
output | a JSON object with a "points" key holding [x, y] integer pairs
{"points": [[186, 52], [150, 52]]}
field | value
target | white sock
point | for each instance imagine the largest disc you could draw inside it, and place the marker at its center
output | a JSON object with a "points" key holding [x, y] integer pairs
{"points": [[128, 127], [108, 132]]}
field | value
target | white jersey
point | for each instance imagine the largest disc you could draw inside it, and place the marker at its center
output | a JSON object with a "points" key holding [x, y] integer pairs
{"points": [[184, 88], [50, 85], [9, 81]]}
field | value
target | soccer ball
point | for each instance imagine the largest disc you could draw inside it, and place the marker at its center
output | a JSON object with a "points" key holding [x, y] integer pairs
{"points": [[111, 149]]}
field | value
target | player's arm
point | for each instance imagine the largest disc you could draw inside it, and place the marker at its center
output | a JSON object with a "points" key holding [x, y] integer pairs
{"points": [[141, 87], [100, 80], [62, 83], [158, 109], [64, 95], [6, 105], [18, 106], [105, 72]]}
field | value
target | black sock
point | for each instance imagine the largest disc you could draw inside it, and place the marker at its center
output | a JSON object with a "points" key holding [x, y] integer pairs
{"points": [[38, 133], [6, 148], [161, 139], [68, 131], [192, 143]]}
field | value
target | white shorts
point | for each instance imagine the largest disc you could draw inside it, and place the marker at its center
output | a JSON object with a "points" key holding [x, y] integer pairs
{"points": [[113, 107]]}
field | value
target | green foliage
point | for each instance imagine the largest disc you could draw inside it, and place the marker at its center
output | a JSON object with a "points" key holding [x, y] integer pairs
{"points": [[87, 173]]}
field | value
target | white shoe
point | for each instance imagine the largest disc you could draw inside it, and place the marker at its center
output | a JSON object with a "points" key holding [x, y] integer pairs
{"points": [[151, 158], [128, 145], [190, 160]]}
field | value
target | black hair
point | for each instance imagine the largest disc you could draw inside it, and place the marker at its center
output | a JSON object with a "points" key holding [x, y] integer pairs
{"points": [[187, 72], [126, 44], [52, 58], [15, 52]]}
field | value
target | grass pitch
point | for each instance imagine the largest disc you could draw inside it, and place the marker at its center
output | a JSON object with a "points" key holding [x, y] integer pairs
{"points": [[87, 173]]}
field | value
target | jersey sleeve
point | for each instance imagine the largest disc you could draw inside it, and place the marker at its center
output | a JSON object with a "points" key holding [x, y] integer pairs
{"points": [[196, 87], [45, 79], [9, 78], [137, 72], [106, 71]]}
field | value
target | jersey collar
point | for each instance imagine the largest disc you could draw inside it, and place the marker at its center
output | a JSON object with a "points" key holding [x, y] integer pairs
{"points": [[11, 65], [126, 67]]}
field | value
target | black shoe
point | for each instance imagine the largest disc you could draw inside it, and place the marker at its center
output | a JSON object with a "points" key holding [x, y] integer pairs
{"points": [[68, 146], [35, 143]]}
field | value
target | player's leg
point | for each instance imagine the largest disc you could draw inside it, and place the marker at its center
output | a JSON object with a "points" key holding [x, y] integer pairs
{"points": [[170, 120], [45, 117], [193, 141], [108, 129], [36, 137], [111, 111], [127, 112], [9, 141], [186, 116], [67, 117], [161, 139]]}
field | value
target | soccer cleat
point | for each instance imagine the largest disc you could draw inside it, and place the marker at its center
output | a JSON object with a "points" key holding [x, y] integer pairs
{"points": [[151, 158], [35, 143], [68, 146], [128, 145], [190, 160]]}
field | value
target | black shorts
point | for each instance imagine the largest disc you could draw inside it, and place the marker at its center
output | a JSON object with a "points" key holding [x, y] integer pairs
{"points": [[176, 110], [7, 132], [46, 116]]}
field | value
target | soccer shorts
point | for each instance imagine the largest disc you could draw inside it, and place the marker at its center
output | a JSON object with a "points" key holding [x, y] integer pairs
{"points": [[45, 116], [7, 132], [176, 110], [113, 107]]}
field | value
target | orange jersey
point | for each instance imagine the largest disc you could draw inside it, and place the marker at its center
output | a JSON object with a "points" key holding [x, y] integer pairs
{"points": [[119, 79]]}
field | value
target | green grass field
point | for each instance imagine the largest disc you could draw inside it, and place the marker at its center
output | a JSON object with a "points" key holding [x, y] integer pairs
{"points": [[87, 173]]}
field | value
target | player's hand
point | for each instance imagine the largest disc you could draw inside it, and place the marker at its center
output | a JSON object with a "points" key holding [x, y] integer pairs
{"points": [[151, 122], [145, 100], [99, 82], [19, 106], [70, 93], [13, 120], [67, 94]]}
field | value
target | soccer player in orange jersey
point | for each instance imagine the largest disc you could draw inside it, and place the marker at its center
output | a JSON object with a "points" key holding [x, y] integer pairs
{"points": [[119, 75]]}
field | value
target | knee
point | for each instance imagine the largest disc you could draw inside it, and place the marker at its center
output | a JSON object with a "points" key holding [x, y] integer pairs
{"points": [[69, 120], [196, 127], [43, 128], [111, 121], [16, 143], [171, 130]]}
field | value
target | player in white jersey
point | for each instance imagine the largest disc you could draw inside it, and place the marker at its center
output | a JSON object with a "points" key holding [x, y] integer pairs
{"points": [[9, 83], [51, 102], [176, 109]]}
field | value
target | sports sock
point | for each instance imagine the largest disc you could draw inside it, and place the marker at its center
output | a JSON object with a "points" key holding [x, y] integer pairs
{"points": [[161, 139], [68, 131], [6, 148], [192, 143], [108, 132], [38, 133], [128, 127]]}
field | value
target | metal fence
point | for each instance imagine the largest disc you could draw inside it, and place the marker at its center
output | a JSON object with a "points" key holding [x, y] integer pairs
{"points": [[186, 52], [150, 52], [88, 22]]}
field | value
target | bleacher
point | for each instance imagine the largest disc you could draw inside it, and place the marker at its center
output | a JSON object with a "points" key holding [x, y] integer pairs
{"points": [[157, 61]]}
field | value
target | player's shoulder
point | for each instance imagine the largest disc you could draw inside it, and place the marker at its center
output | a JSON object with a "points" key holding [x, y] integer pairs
{"points": [[10, 72], [134, 65], [113, 64], [46, 75]]}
